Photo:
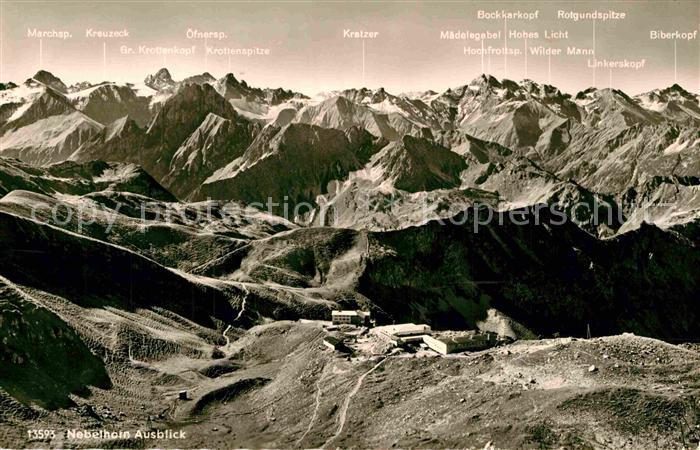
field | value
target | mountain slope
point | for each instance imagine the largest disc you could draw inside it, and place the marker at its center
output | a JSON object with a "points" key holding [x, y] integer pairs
{"points": [[215, 143], [44, 360], [553, 278], [67, 264], [291, 165], [79, 178], [108, 102]]}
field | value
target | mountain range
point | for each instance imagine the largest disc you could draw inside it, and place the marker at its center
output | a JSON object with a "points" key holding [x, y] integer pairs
{"points": [[515, 144]]}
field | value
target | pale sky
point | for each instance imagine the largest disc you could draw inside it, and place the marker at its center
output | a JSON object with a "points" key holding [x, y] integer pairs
{"points": [[309, 54]]}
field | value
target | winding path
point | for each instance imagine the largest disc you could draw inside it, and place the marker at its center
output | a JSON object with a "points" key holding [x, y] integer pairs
{"points": [[245, 297], [315, 413], [346, 403], [228, 341]]}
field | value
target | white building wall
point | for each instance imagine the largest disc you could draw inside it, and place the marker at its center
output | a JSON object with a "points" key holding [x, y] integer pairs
{"points": [[435, 344]]}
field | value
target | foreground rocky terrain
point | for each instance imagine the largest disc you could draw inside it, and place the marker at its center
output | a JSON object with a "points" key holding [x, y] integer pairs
{"points": [[276, 385], [193, 236]]}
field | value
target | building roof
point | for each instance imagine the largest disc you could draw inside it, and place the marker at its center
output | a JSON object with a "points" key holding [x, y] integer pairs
{"points": [[403, 329], [460, 338], [332, 340], [344, 313], [349, 312]]}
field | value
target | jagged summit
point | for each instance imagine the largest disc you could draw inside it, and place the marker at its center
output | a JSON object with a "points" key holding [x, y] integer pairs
{"points": [[675, 87], [82, 85], [244, 96], [48, 79], [230, 78], [586, 92], [365, 95], [673, 101], [510, 88], [485, 80], [163, 73], [673, 92], [161, 80], [608, 93], [205, 77], [542, 90]]}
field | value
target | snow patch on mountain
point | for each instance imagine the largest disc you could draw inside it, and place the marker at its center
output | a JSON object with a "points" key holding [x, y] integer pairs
{"points": [[49, 140], [676, 147]]}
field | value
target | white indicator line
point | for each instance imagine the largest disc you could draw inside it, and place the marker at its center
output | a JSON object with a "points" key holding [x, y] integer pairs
{"points": [[549, 68], [525, 57], [363, 63], [505, 47], [675, 61], [41, 54], [594, 54], [482, 56], [104, 61]]}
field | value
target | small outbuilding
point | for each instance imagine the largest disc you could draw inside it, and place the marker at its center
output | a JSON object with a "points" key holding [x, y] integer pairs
{"points": [[336, 344]]}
